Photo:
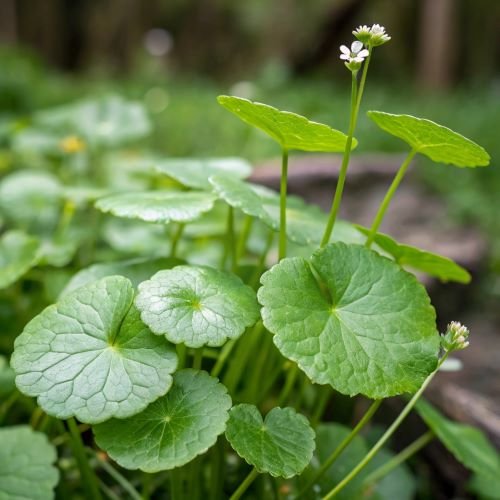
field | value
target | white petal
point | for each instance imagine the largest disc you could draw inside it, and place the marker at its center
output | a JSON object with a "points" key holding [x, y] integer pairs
{"points": [[345, 57], [345, 50], [356, 46], [364, 53], [358, 59]]}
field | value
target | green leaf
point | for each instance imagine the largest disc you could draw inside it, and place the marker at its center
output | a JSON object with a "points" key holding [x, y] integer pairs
{"points": [[352, 319], [289, 130], [197, 305], [19, 252], [468, 444], [157, 206], [439, 143], [26, 469], [195, 172], [7, 377], [420, 260], [91, 357], [136, 270], [174, 429], [305, 223], [282, 445]]}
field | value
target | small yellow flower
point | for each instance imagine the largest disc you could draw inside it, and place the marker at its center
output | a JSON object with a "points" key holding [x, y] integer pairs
{"points": [[72, 144]]}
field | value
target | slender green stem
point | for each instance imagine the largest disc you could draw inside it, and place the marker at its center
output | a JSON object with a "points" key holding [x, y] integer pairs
{"points": [[398, 459], [291, 376], [385, 437], [198, 358], [217, 470], [342, 446], [88, 478], [362, 82], [244, 485], [254, 280], [181, 355], [388, 197], [230, 241], [221, 359], [68, 212], [323, 398], [243, 238], [283, 188], [343, 168], [175, 239]]}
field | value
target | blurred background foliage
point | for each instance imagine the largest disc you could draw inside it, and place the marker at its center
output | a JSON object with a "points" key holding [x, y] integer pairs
{"points": [[175, 56]]}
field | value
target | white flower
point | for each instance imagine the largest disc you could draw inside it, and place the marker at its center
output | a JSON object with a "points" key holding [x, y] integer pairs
{"points": [[356, 54], [456, 337], [363, 34], [378, 35]]}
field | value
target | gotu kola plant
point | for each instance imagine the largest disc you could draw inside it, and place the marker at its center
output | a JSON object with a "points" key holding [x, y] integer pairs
{"points": [[135, 348]]}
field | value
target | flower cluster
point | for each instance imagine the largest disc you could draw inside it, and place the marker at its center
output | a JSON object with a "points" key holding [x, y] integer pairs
{"points": [[353, 56], [455, 338], [373, 36]]}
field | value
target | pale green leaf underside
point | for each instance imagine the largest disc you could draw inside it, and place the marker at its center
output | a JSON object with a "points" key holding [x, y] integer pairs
{"points": [[305, 223], [174, 429], [430, 263], [282, 445], [195, 172], [352, 319], [91, 357], [439, 143], [289, 130], [197, 305], [19, 252], [468, 444], [136, 270], [26, 465], [155, 206]]}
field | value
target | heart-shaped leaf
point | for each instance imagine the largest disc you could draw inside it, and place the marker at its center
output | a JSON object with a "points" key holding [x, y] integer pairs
{"points": [[174, 429], [289, 130], [282, 445], [420, 260], [197, 305], [157, 206], [195, 172], [353, 319], [136, 270], [91, 357], [26, 469], [19, 252], [468, 444], [439, 143]]}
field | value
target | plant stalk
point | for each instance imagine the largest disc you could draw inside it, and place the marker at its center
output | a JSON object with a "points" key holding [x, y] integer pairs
{"points": [[385, 437], [175, 239], [243, 238], [283, 187], [244, 485], [388, 197]]}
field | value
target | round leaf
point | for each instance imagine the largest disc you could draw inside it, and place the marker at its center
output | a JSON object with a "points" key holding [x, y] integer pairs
{"points": [[91, 357], [155, 206], [171, 431], [19, 252], [197, 305], [439, 143], [282, 445], [468, 444], [195, 172], [26, 469], [353, 319], [290, 130], [420, 260]]}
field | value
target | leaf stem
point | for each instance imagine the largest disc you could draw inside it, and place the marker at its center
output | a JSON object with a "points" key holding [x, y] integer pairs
{"points": [[198, 358], [244, 485], [342, 446], [283, 188], [217, 470], [291, 376], [385, 437], [345, 164], [321, 402], [175, 239], [88, 478], [243, 238], [221, 359], [398, 459], [388, 197]]}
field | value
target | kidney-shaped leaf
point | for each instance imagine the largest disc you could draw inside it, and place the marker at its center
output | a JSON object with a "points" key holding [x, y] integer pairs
{"points": [[155, 206], [468, 444], [353, 319], [197, 305], [174, 429], [19, 252], [290, 130], [91, 357], [282, 445], [430, 263], [439, 143], [26, 469], [195, 172]]}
